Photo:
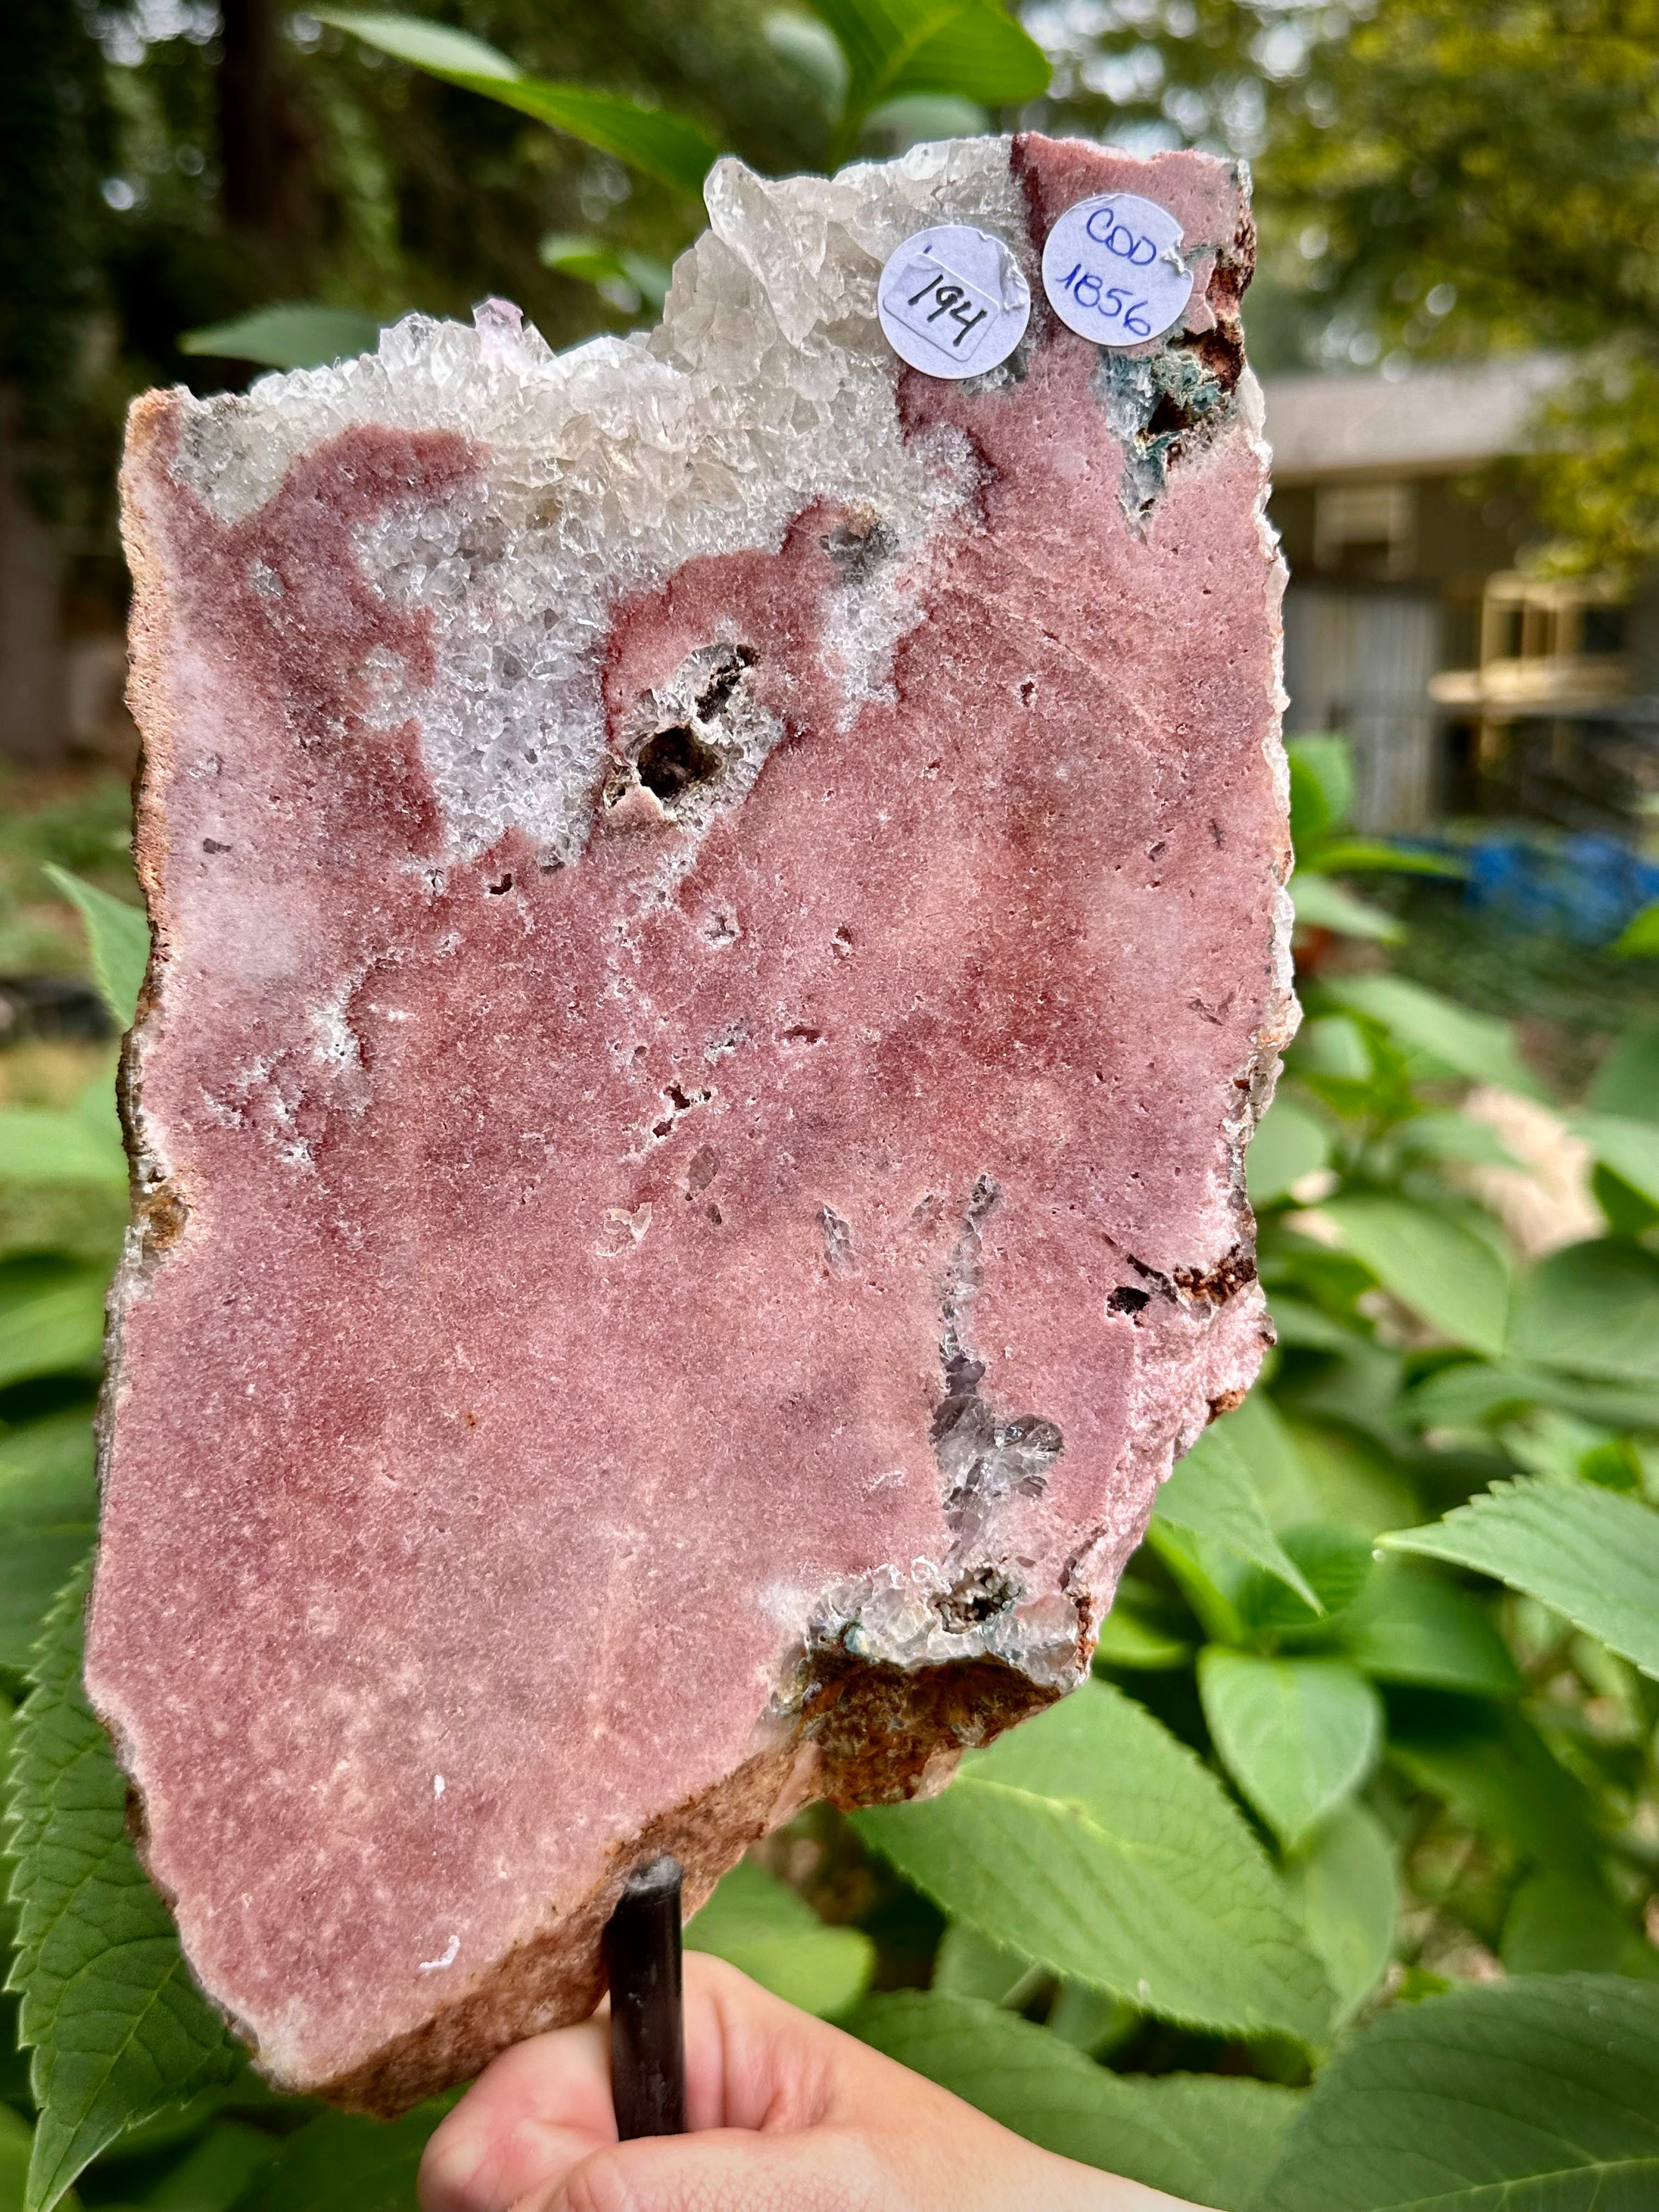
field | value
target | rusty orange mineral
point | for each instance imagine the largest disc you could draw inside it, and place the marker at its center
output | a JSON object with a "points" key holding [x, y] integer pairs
{"points": [[718, 940]]}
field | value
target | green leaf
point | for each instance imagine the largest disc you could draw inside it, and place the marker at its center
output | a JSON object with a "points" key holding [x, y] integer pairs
{"points": [[1288, 1144], [968, 1964], [294, 334], [48, 1520], [1627, 1082], [1448, 1136], [592, 262], [1376, 854], [1472, 1393], [663, 145], [896, 46], [1630, 1147], [65, 1145], [758, 1923], [1322, 787], [811, 52], [117, 2028], [118, 938], [1533, 2095], [1197, 2134], [1496, 1772], [1137, 1634], [1478, 1046], [1639, 937], [1456, 1281], [433, 46], [341, 2162], [1593, 1308], [1345, 1884], [216, 2175], [16, 2139], [1415, 1626], [1209, 1495], [1320, 902], [1095, 1844], [1336, 1564], [1562, 1924], [915, 116], [51, 1319], [1588, 1552], [1297, 1735]]}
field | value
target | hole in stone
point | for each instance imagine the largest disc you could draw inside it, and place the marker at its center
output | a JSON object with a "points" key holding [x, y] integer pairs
{"points": [[212, 845], [672, 761], [1027, 691], [496, 889], [1169, 417], [1126, 1301], [727, 675]]}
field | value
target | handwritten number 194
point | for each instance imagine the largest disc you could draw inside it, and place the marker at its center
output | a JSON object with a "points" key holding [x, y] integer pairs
{"points": [[1111, 301], [950, 300]]}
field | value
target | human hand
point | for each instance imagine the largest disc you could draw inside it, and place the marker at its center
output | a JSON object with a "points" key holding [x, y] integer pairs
{"points": [[788, 2114]]}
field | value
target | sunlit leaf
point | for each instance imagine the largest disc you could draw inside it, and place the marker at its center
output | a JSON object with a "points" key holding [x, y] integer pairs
{"points": [[298, 334], [1593, 1308], [757, 1923], [1206, 2139], [1586, 1551], [1321, 903], [1289, 1143], [117, 936], [1639, 937], [1322, 787], [1630, 1147], [1092, 1843], [1454, 1280], [1209, 1495], [1297, 1735], [967, 48], [662, 144], [1533, 2095], [1345, 1883], [1478, 1046]]}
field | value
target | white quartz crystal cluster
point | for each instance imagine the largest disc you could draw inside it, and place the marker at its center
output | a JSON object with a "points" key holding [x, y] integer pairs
{"points": [[767, 386]]}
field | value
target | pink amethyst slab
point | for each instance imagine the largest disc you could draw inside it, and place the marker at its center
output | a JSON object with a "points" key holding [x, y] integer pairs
{"points": [[719, 937]]}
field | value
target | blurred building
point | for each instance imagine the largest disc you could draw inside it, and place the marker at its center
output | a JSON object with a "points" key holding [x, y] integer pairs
{"points": [[1466, 687]]}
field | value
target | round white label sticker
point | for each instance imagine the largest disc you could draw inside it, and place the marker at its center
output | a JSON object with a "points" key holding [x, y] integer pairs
{"points": [[952, 300], [1113, 272]]}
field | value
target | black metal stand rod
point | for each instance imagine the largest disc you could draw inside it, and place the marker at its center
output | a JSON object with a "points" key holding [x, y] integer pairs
{"points": [[647, 2033]]}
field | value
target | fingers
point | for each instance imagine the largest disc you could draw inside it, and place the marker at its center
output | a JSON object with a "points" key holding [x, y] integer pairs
{"points": [[823, 2170], [537, 2112]]}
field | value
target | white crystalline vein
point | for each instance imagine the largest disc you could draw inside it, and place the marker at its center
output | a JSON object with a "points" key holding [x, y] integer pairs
{"points": [[767, 386]]}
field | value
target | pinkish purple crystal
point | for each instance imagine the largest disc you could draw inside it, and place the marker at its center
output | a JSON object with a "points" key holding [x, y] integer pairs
{"points": [[719, 940]]}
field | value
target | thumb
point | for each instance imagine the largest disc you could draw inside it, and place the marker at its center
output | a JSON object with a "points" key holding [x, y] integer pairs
{"points": [[825, 2169]]}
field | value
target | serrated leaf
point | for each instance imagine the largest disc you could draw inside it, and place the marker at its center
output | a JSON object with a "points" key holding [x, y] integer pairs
{"points": [[1533, 2095], [341, 2162], [290, 334], [1297, 1735], [1320, 902], [116, 2026], [1210, 1495], [1095, 1844], [1289, 1143], [758, 1923], [1343, 1883], [1415, 1626], [51, 1319], [662, 144], [1593, 1308], [1456, 1281], [1204, 2138], [1477, 1046], [1588, 1552], [118, 938], [48, 1521]]}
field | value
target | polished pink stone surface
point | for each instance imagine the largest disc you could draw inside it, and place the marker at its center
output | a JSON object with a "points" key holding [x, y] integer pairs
{"points": [[592, 1311]]}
